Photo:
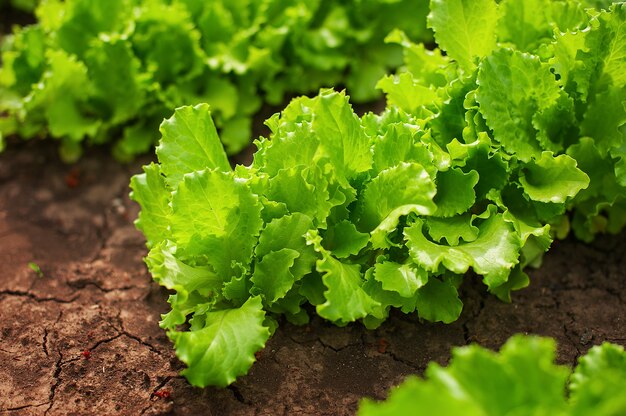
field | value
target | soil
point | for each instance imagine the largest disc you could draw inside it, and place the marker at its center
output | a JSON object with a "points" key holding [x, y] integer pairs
{"points": [[10, 16], [82, 337]]}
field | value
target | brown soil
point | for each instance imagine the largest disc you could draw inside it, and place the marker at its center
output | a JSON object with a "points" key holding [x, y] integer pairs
{"points": [[96, 296], [10, 16]]}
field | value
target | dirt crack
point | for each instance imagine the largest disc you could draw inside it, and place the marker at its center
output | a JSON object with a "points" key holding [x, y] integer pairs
{"points": [[154, 392], [107, 340], [83, 283], [566, 331], [142, 342], [26, 406], [338, 349], [408, 363], [123, 331], [44, 342], [56, 376], [36, 298], [467, 333], [237, 394], [58, 367]]}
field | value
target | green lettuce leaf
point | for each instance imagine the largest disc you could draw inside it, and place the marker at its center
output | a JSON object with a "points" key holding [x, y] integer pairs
{"points": [[521, 379], [438, 301], [493, 253], [346, 301], [214, 213], [190, 143], [596, 383], [151, 192], [341, 135], [343, 239], [405, 93], [465, 29], [455, 192], [405, 279], [515, 92], [395, 192], [223, 348], [553, 179], [272, 275]]}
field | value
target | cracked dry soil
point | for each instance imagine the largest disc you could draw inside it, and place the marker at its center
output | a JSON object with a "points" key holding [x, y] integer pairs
{"points": [[83, 336]]}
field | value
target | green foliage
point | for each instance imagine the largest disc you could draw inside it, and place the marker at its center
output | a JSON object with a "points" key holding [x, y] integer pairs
{"points": [[532, 96], [224, 346], [520, 380], [354, 236], [465, 29], [100, 71], [358, 215]]}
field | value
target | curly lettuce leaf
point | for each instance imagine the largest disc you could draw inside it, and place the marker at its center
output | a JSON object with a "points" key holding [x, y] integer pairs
{"points": [[553, 179], [405, 279], [455, 192], [190, 143], [603, 69], [453, 229], [395, 192], [151, 192], [272, 274], [465, 29], [493, 253], [341, 134], [402, 91], [343, 239], [345, 299], [223, 348], [214, 213], [438, 301], [597, 382], [515, 92], [521, 379]]}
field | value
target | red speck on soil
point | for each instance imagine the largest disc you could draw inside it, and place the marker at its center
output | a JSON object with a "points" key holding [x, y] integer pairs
{"points": [[162, 394], [86, 354], [72, 179], [382, 345]]}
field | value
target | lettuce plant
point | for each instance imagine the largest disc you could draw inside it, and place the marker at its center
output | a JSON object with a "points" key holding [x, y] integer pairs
{"points": [[100, 71], [536, 78], [521, 379], [473, 166], [352, 215]]}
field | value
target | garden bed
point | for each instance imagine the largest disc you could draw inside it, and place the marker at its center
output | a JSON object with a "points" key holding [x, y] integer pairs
{"points": [[79, 312], [82, 336]]}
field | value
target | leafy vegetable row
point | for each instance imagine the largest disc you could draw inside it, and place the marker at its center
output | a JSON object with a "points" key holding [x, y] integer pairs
{"points": [[521, 380], [535, 78], [473, 165], [100, 70]]}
